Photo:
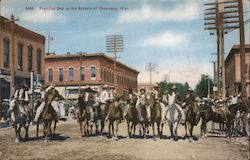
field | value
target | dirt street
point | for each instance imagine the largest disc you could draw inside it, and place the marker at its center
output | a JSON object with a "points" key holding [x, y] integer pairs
{"points": [[68, 144]]}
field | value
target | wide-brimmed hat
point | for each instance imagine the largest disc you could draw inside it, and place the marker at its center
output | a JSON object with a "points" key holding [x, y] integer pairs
{"points": [[142, 89], [174, 87], [105, 86], [190, 89]]}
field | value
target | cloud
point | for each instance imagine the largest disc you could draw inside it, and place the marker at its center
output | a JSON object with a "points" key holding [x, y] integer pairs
{"points": [[166, 39], [42, 16], [187, 11]]}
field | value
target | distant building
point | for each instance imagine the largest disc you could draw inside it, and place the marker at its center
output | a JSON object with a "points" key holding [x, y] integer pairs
{"points": [[96, 69], [147, 86], [233, 73], [29, 51]]}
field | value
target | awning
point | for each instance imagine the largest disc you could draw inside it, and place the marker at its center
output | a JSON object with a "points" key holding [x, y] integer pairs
{"points": [[6, 78]]}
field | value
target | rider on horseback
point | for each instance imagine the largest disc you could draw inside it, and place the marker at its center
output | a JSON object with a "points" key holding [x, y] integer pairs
{"points": [[172, 100], [189, 99], [89, 101], [21, 96], [142, 96], [50, 91]]}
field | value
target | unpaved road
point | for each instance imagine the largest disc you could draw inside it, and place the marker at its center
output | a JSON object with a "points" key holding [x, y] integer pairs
{"points": [[68, 144]]}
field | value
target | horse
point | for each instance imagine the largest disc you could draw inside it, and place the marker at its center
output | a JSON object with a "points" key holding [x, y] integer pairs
{"points": [[132, 115], [209, 115], [18, 120], [38, 102], [155, 114], [173, 117], [143, 118], [48, 115], [115, 115], [192, 115]]}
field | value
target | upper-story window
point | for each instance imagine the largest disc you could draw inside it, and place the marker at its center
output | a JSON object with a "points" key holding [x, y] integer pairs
{"points": [[60, 74], [93, 73], [50, 75], [38, 61], [71, 74], [20, 56], [6, 53], [82, 74], [30, 50]]}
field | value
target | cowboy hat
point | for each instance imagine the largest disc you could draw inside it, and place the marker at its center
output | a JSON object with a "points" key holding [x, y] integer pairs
{"points": [[142, 89], [174, 87], [190, 89]]}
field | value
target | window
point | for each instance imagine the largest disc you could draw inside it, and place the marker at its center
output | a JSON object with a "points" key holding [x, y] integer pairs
{"points": [[6, 53], [105, 76], [50, 75], [20, 56], [71, 74], [82, 74], [30, 59], [38, 61], [93, 74], [60, 74]]}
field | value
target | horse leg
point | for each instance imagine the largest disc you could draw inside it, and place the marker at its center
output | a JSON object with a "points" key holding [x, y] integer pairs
{"points": [[117, 128], [162, 124], [113, 129], [186, 129], [110, 128], [17, 134], [37, 129], [80, 124], [27, 132], [158, 129], [171, 131], [133, 125], [54, 127], [153, 128], [45, 131], [128, 126], [140, 129], [175, 130]]}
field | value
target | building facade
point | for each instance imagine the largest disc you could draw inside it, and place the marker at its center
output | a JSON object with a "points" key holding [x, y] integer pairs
{"points": [[21, 51], [70, 71], [233, 73]]}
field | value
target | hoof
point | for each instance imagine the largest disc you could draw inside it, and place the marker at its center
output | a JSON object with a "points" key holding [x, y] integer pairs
{"points": [[190, 139], [17, 140], [171, 139]]}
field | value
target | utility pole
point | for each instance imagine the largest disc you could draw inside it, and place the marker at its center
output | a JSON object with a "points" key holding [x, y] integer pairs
{"points": [[12, 56], [150, 67], [114, 44], [214, 68], [242, 51], [221, 16], [80, 78]]}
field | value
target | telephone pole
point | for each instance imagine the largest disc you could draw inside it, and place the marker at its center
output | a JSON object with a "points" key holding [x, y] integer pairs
{"points": [[150, 67], [114, 44], [222, 16], [214, 67]]}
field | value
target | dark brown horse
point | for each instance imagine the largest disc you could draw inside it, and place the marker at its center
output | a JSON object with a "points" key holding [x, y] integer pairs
{"points": [[37, 104], [132, 115], [115, 116], [48, 115], [192, 118], [209, 115], [155, 114]]}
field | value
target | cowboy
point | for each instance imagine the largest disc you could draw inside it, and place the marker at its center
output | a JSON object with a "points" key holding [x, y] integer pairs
{"points": [[189, 99], [173, 100], [50, 91], [142, 95], [22, 97], [89, 101], [104, 97]]}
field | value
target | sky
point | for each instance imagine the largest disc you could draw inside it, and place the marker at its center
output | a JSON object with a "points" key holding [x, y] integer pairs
{"points": [[168, 33]]}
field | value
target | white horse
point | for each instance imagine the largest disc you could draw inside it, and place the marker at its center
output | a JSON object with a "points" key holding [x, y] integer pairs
{"points": [[18, 119], [174, 116]]}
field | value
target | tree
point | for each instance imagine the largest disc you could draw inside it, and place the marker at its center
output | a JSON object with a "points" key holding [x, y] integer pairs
{"points": [[201, 89], [181, 89]]}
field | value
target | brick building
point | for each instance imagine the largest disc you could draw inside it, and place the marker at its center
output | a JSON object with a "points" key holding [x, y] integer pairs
{"points": [[96, 69], [233, 73], [28, 54]]}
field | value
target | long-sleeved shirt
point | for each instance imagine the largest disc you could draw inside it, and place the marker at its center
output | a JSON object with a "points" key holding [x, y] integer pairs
{"points": [[104, 96]]}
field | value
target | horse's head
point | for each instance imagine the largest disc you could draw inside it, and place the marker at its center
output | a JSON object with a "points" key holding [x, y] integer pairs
{"points": [[132, 100], [143, 99]]}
